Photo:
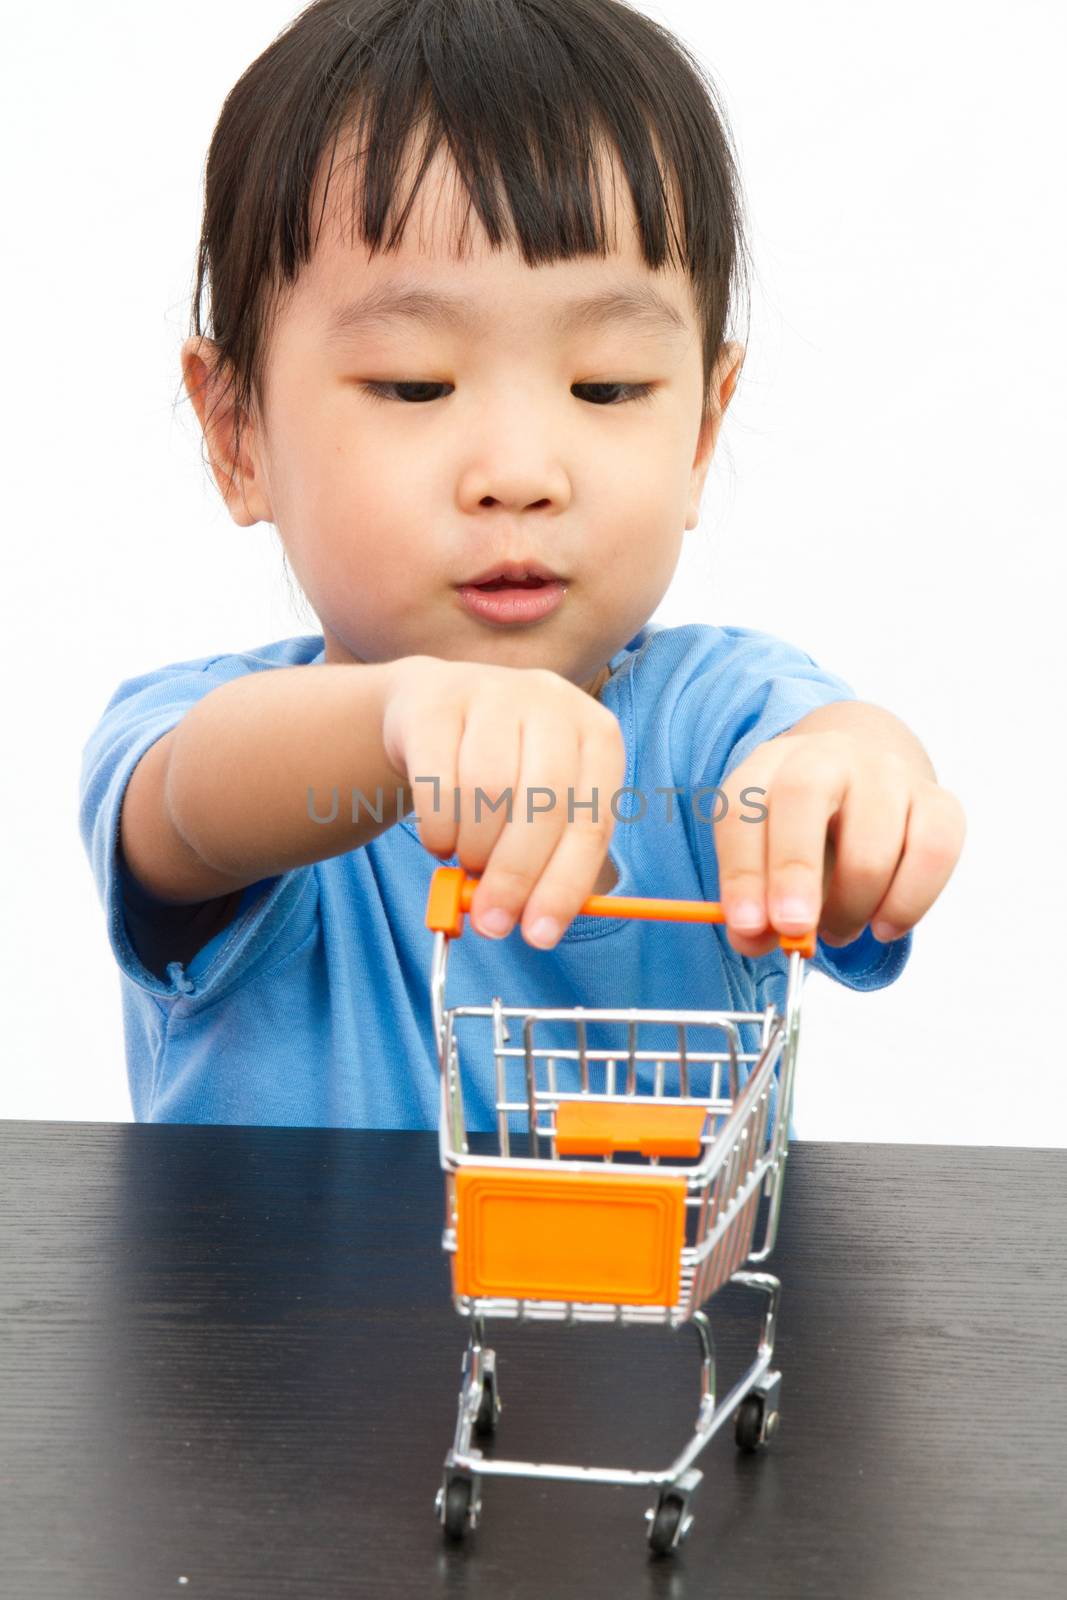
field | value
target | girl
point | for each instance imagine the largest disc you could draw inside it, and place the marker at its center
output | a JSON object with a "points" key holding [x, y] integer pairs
{"points": [[471, 268]]}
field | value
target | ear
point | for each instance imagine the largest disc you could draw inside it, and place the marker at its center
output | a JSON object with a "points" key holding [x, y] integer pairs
{"points": [[205, 383], [723, 382]]}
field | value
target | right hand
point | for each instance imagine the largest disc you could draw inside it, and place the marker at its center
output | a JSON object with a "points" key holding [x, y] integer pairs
{"points": [[473, 726]]}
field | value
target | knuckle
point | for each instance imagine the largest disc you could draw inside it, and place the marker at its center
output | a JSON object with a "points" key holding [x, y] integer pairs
{"points": [[581, 820], [806, 756], [933, 850], [741, 884], [728, 836], [949, 799], [894, 765], [603, 828], [589, 839], [604, 721], [952, 816], [795, 779], [607, 791], [485, 796], [471, 857], [552, 902], [548, 682], [863, 866], [438, 840], [792, 864], [505, 884], [740, 875], [607, 751], [557, 899]]}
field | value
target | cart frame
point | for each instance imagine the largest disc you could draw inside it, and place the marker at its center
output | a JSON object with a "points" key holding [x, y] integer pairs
{"points": [[736, 1158]]}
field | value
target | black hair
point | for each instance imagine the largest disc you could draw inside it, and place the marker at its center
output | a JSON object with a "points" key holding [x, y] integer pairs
{"points": [[523, 92]]}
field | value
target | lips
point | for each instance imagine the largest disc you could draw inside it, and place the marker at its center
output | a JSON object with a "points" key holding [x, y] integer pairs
{"points": [[513, 575], [511, 601], [511, 583]]}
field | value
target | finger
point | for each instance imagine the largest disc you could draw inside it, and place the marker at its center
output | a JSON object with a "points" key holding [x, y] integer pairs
{"points": [[431, 764], [870, 829], [759, 944], [805, 792], [487, 772], [547, 762], [571, 873], [934, 837], [740, 834]]}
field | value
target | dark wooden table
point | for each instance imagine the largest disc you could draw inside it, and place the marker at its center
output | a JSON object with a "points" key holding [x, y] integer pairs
{"points": [[229, 1366]]}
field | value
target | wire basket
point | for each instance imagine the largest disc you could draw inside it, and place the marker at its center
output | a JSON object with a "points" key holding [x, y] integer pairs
{"points": [[622, 1184]]}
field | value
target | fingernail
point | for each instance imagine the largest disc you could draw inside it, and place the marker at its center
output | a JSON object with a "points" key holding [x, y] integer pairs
{"points": [[496, 922], [746, 916], [545, 932], [885, 932], [796, 910]]}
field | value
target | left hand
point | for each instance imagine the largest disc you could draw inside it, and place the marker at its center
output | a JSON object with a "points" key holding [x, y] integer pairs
{"points": [[851, 830]]}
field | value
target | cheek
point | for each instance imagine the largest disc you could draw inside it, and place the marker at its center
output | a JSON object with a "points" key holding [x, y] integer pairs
{"points": [[649, 485], [347, 491], [654, 458]]}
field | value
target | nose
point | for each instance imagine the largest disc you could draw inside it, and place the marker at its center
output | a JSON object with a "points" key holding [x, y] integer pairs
{"points": [[513, 472]]}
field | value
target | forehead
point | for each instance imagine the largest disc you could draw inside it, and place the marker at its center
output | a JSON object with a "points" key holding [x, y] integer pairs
{"points": [[445, 249]]}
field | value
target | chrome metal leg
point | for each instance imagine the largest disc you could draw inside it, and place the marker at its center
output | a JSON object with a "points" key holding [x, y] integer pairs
{"points": [[707, 1369], [772, 1288]]}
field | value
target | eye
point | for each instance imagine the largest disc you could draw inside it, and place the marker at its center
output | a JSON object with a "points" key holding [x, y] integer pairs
{"points": [[634, 391], [375, 390], [378, 390]]}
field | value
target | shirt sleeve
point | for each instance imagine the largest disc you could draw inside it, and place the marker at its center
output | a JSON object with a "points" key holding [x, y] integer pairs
{"points": [[142, 710], [756, 686]]}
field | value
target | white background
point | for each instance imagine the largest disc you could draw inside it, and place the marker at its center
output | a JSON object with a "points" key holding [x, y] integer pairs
{"points": [[888, 492]]}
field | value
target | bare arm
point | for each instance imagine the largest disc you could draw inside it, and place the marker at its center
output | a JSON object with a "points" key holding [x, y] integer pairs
{"points": [[222, 800]]}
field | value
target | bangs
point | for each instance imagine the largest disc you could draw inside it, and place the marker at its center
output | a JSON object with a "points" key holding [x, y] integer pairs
{"points": [[531, 166], [533, 101]]}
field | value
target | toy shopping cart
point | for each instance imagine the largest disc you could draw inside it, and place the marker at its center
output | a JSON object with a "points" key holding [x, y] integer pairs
{"points": [[624, 1187]]}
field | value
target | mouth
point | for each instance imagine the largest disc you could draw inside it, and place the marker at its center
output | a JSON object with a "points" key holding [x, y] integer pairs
{"points": [[513, 595], [512, 575], [509, 583]]}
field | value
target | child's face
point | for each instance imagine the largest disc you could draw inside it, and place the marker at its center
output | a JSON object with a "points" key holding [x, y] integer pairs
{"points": [[384, 506]]}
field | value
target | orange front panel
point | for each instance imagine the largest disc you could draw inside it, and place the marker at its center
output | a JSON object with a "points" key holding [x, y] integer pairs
{"points": [[567, 1236]]}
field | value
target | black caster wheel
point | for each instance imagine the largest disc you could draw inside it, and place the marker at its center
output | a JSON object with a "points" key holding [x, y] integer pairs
{"points": [[488, 1410], [666, 1522], [748, 1426], [457, 1505]]}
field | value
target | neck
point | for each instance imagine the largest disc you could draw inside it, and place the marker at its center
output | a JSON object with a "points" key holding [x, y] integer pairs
{"points": [[599, 681]]}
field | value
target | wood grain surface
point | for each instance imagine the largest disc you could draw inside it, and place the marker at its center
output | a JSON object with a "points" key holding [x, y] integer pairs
{"points": [[229, 1365]]}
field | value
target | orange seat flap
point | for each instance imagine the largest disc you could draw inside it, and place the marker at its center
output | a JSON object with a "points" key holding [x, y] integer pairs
{"points": [[598, 1128]]}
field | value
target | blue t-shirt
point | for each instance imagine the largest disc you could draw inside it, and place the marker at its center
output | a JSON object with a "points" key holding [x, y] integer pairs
{"points": [[312, 1007]]}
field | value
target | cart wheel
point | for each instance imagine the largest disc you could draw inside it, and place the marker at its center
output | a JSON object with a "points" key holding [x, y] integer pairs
{"points": [[457, 1507], [665, 1524], [748, 1428], [488, 1410]]}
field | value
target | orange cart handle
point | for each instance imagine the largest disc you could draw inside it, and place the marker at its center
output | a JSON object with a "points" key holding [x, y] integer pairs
{"points": [[452, 890]]}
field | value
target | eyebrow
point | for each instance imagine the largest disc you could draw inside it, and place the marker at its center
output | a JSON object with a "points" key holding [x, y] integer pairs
{"points": [[638, 304]]}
